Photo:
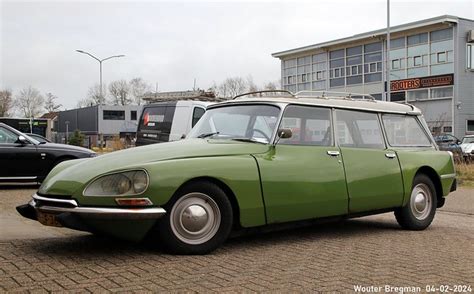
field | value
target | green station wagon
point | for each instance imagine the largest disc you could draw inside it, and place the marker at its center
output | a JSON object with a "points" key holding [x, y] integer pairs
{"points": [[253, 162]]}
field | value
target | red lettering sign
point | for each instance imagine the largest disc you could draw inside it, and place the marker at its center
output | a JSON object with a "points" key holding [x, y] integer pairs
{"points": [[424, 82]]}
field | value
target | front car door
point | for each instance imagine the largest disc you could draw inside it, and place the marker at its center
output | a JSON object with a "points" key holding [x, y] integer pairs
{"points": [[18, 161], [373, 174], [303, 176]]}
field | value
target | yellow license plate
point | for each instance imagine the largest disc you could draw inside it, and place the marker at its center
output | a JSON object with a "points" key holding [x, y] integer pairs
{"points": [[48, 219]]}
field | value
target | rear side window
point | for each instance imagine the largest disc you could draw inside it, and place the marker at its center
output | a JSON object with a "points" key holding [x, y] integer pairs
{"points": [[359, 129], [198, 112], [403, 130], [309, 125]]}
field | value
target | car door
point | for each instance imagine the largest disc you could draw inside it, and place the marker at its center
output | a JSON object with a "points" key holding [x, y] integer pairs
{"points": [[18, 161], [303, 176], [373, 174]]}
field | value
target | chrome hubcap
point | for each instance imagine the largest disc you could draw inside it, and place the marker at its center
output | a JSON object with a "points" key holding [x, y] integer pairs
{"points": [[420, 201], [195, 218]]}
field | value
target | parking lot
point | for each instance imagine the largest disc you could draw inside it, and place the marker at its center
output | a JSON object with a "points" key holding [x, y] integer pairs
{"points": [[335, 257]]}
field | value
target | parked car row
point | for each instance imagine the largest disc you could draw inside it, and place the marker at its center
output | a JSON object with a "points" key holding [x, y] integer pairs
{"points": [[254, 162], [462, 148]]}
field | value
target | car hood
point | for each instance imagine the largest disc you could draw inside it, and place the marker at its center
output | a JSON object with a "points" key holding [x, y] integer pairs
{"points": [[467, 147], [70, 176], [64, 147]]}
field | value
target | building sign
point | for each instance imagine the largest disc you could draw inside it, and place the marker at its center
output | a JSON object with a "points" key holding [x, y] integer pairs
{"points": [[424, 82]]}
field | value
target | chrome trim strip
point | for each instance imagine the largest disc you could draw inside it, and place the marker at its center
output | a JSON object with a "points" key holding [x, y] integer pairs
{"points": [[98, 212], [71, 202], [447, 176], [18, 178]]}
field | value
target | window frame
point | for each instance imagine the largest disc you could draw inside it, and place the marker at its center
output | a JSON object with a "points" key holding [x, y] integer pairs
{"points": [[382, 130], [7, 131], [193, 115], [332, 143], [467, 125], [470, 56], [116, 111], [132, 114], [417, 120]]}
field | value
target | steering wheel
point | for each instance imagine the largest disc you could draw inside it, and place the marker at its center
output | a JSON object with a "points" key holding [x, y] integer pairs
{"points": [[261, 132]]}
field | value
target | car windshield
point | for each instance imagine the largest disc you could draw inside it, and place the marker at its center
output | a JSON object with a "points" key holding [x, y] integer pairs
{"points": [[468, 140], [239, 122]]}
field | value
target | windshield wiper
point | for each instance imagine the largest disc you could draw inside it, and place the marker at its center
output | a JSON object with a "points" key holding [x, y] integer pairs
{"points": [[205, 135], [251, 140]]}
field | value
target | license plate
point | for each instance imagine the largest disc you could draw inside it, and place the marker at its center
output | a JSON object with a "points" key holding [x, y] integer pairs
{"points": [[48, 219]]}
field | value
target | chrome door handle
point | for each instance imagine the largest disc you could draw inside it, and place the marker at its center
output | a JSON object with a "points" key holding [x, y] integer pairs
{"points": [[390, 155], [333, 153]]}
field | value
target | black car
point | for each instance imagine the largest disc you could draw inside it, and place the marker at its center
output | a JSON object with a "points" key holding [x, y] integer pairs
{"points": [[24, 159]]}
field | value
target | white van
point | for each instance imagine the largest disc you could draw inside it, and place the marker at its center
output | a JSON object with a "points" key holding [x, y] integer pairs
{"points": [[168, 121]]}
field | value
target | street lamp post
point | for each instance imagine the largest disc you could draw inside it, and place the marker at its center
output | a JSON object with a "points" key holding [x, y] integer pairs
{"points": [[100, 64], [67, 131], [388, 98]]}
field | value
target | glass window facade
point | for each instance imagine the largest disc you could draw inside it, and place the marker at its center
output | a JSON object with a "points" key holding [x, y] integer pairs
{"points": [[424, 54]]}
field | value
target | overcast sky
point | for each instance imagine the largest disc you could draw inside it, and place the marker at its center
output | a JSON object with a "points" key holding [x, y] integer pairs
{"points": [[171, 43]]}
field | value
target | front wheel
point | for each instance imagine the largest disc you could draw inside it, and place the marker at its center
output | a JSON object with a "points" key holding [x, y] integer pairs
{"points": [[199, 220], [419, 212]]}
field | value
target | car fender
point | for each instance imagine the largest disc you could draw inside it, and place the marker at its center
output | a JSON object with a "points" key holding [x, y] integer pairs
{"points": [[239, 173]]}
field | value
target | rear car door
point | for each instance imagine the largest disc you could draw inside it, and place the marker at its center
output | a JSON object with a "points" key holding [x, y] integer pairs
{"points": [[373, 174], [303, 176]]}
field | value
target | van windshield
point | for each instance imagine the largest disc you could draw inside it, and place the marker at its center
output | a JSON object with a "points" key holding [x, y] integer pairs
{"points": [[254, 122]]}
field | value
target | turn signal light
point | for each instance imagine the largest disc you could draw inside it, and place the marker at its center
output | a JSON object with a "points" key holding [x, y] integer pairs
{"points": [[133, 201]]}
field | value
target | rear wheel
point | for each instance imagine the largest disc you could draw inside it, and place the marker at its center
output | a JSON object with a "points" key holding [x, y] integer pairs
{"points": [[198, 220], [420, 210]]}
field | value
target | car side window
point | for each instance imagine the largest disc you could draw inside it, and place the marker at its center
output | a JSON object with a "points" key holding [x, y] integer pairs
{"points": [[359, 129], [404, 130], [7, 136], [309, 125], [198, 112]]}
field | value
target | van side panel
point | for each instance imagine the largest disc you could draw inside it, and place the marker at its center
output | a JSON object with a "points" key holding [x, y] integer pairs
{"points": [[181, 122]]}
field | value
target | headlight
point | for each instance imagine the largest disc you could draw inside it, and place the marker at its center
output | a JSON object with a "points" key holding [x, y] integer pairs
{"points": [[119, 184]]}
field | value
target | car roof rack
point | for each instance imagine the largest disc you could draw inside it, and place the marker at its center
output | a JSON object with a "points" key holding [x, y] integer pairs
{"points": [[334, 95], [265, 91]]}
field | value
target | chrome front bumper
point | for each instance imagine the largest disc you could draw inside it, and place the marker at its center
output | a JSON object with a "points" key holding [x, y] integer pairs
{"points": [[57, 206]]}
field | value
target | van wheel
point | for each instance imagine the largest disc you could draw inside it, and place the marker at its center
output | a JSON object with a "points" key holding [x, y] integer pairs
{"points": [[421, 208], [199, 220]]}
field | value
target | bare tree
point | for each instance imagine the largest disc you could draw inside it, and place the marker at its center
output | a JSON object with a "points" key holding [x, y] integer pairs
{"points": [[120, 92], [232, 87], [270, 86], [50, 104], [251, 86], [86, 102], [30, 102], [6, 102], [138, 87], [95, 96]]}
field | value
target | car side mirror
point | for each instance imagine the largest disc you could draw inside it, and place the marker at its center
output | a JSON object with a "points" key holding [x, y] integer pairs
{"points": [[285, 133], [22, 140]]}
